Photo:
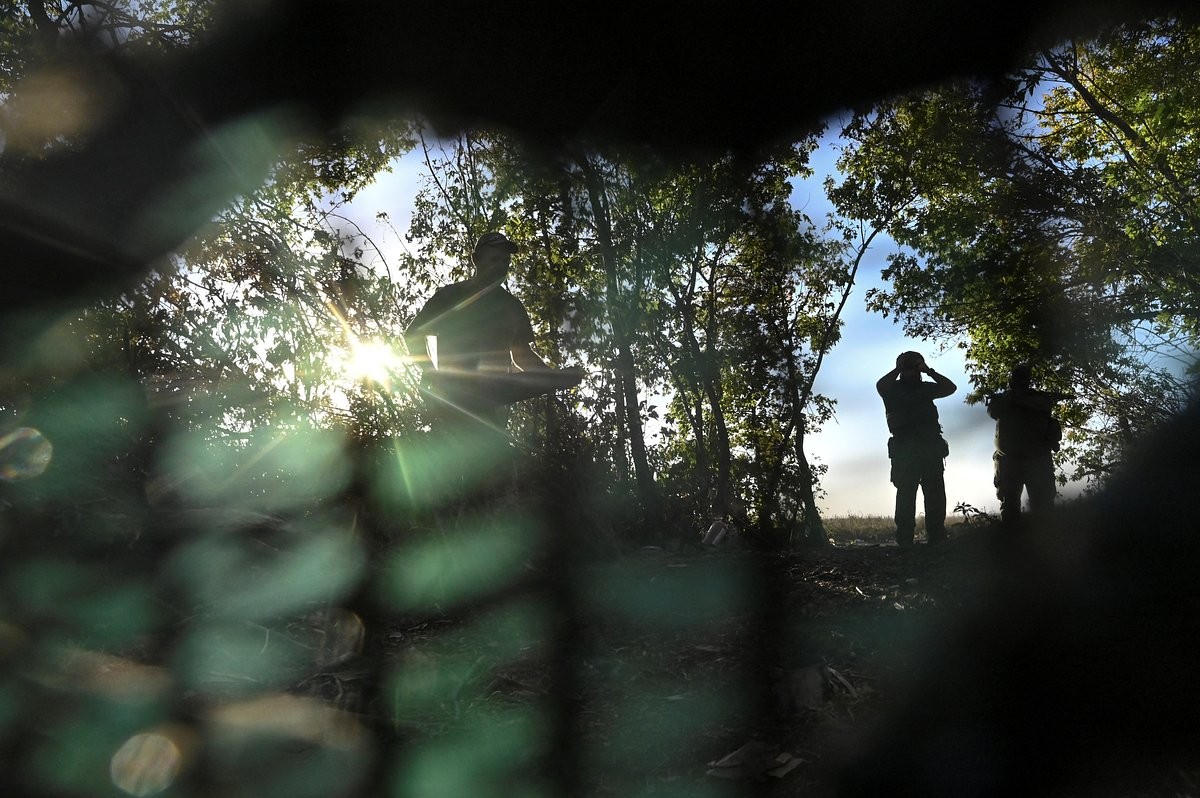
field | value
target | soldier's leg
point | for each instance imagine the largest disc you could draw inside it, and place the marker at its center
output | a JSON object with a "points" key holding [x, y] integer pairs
{"points": [[1039, 481], [933, 488], [1008, 484], [490, 455], [472, 455], [906, 479]]}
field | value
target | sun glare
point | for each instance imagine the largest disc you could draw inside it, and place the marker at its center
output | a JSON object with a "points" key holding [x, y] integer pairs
{"points": [[372, 360]]}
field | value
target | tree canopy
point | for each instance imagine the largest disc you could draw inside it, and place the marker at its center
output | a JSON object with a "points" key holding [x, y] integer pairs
{"points": [[1049, 217]]}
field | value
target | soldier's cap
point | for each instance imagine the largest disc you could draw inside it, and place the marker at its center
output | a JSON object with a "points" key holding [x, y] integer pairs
{"points": [[495, 240]]}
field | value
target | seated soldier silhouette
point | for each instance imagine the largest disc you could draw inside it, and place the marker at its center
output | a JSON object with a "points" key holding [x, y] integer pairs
{"points": [[472, 340]]}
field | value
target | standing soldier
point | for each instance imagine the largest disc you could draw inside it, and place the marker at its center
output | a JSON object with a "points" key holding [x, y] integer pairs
{"points": [[1027, 435], [472, 341], [916, 448]]}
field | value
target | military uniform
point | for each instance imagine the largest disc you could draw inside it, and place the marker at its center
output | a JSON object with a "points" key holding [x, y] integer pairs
{"points": [[476, 327], [476, 324], [917, 451], [1027, 436]]}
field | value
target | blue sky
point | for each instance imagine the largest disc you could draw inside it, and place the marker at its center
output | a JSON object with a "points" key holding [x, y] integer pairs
{"points": [[854, 445]]}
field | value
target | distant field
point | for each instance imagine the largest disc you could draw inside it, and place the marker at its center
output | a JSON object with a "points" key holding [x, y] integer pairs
{"points": [[868, 530]]}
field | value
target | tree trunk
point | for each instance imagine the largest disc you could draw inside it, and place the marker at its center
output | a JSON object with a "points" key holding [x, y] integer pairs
{"points": [[693, 411], [721, 502], [814, 530], [647, 488], [709, 375], [620, 454], [704, 376], [626, 369], [769, 489]]}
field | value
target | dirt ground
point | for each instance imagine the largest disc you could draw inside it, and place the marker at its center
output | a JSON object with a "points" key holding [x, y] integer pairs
{"points": [[682, 658], [819, 653], [695, 672]]}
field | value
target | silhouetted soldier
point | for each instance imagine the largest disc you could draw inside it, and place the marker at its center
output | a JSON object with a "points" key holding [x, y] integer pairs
{"points": [[1027, 435], [472, 340], [916, 448]]}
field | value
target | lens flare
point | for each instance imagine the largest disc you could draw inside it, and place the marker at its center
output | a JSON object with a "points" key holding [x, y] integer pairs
{"points": [[146, 764], [341, 635], [24, 453], [372, 360]]}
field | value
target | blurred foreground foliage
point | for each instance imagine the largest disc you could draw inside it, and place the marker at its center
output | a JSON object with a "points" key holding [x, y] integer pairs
{"points": [[224, 527], [306, 613]]}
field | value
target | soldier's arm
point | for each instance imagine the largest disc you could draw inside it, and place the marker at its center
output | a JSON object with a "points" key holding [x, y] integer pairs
{"points": [[882, 383], [418, 352], [523, 356], [1034, 400], [942, 384], [999, 405], [525, 359], [418, 329]]}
